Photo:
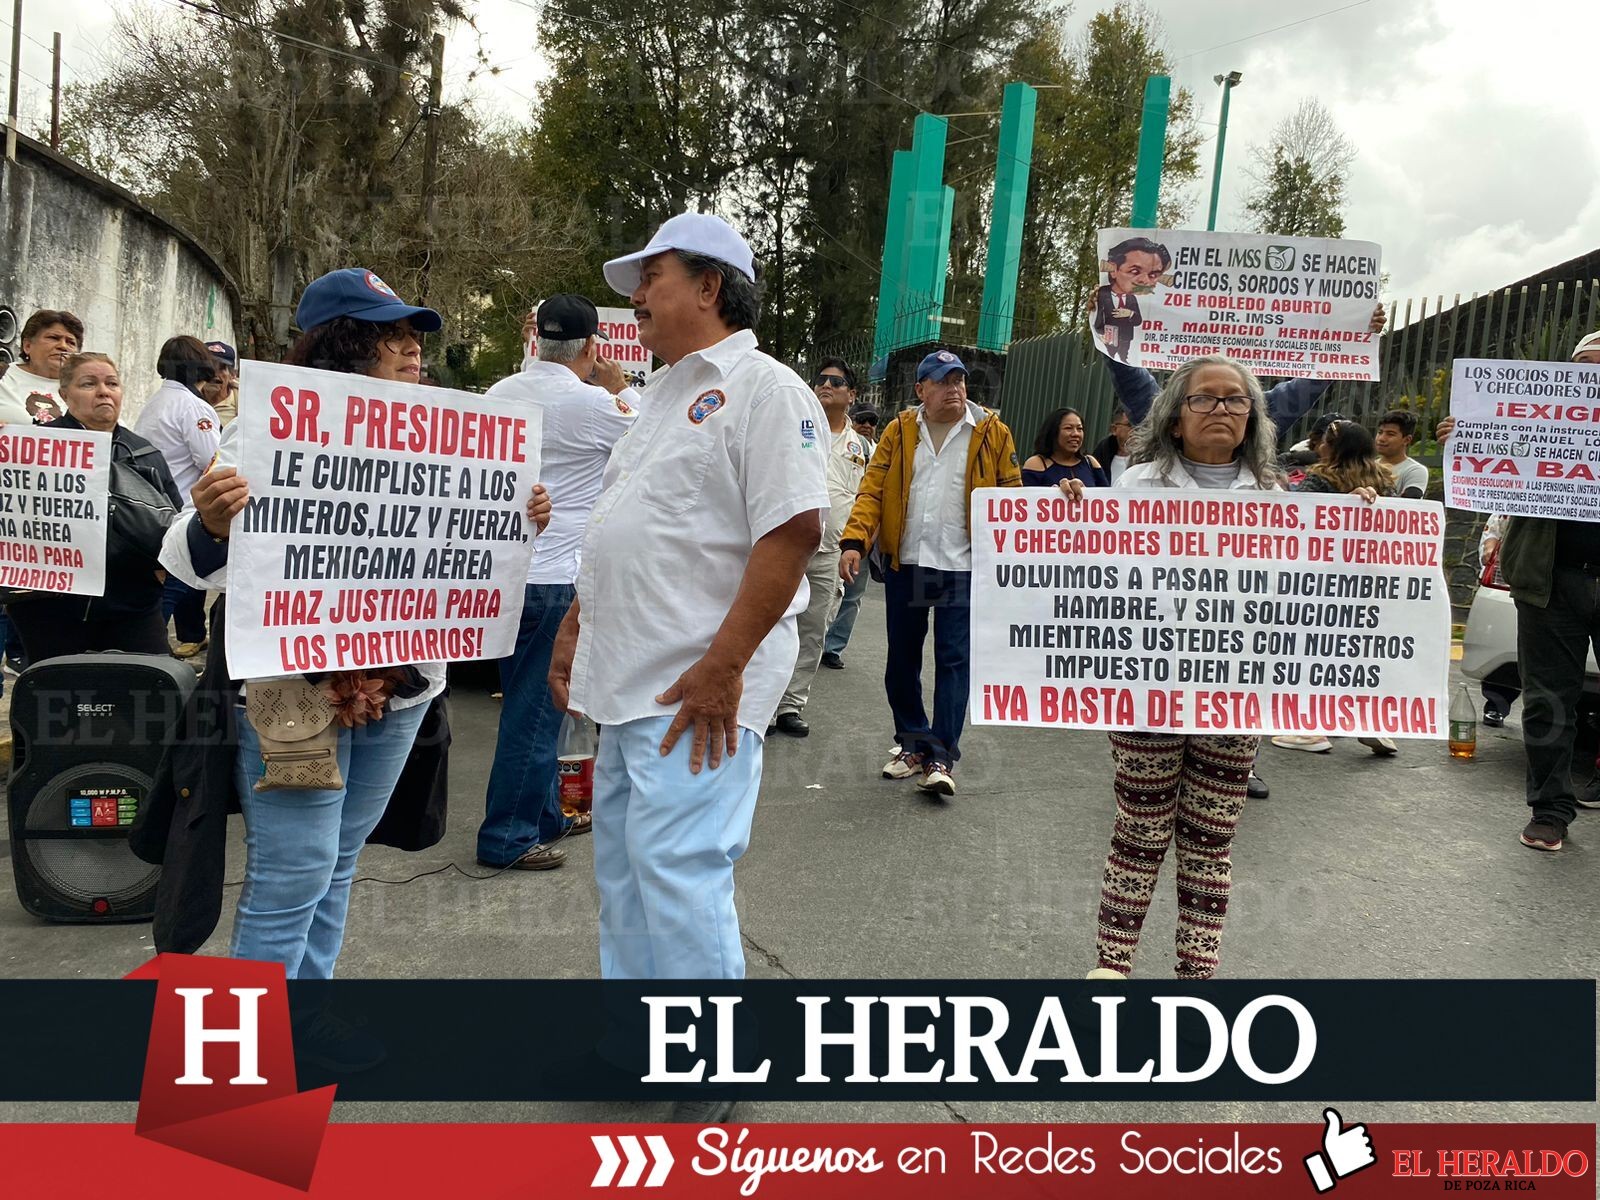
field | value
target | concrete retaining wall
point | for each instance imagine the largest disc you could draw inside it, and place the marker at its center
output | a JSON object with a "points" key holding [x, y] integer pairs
{"points": [[70, 239]]}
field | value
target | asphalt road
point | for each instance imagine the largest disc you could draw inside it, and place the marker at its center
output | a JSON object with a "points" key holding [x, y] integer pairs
{"points": [[1356, 867]]}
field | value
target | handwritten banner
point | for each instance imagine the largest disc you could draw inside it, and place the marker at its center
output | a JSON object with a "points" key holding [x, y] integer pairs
{"points": [[386, 523], [624, 348], [54, 492], [1209, 613], [1289, 307], [1527, 439]]}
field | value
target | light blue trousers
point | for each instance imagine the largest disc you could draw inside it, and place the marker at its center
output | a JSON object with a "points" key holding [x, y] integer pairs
{"points": [[301, 845], [665, 842]]}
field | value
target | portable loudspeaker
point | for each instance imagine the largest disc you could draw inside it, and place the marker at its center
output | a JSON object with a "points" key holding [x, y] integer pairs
{"points": [[88, 732]]}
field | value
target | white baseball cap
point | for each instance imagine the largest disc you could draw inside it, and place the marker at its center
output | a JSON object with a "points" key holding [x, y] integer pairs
{"points": [[1587, 342], [693, 233]]}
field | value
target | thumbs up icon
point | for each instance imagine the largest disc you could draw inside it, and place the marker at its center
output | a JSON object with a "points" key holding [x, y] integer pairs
{"points": [[1344, 1152]]}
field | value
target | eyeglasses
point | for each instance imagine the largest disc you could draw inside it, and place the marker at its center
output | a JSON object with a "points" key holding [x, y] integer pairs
{"points": [[1234, 406], [838, 381], [393, 335]]}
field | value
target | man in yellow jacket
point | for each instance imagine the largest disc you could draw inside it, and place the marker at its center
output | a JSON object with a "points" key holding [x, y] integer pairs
{"points": [[915, 501]]}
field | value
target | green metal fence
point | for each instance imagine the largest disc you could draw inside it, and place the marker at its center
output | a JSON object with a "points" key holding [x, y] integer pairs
{"points": [[1046, 373]]}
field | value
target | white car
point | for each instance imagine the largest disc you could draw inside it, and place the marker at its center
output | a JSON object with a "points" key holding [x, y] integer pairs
{"points": [[1489, 645]]}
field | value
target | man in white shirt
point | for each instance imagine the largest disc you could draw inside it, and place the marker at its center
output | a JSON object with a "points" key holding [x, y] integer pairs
{"points": [[186, 429], [692, 575], [28, 388], [914, 501], [582, 422], [848, 455], [1396, 428], [864, 420]]}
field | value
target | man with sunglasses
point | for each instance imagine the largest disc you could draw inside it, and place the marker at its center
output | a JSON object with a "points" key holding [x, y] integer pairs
{"points": [[848, 455]]}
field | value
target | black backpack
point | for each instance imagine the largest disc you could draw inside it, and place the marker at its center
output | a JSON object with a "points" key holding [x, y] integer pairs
{"points": [[138, 516]]}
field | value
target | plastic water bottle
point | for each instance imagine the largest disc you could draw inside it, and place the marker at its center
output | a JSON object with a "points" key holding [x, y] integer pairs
{"points": [[575, 751], [1463, 725]]}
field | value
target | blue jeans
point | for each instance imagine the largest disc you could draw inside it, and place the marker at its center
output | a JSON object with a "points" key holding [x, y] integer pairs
{"points": [[301, 845], [665, 842], [909, 594], [844, 621], [185, 607], [523, 805]]}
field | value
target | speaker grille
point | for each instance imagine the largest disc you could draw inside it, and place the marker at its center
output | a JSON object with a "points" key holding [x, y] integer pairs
{"points": [[85, 869]]}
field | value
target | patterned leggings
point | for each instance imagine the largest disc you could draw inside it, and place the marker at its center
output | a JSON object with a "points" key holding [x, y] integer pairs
{"points": [[1165, 783]]}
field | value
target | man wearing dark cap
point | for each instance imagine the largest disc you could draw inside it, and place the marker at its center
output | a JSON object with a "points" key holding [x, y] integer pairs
{"points": [[914, 500], [222, 393], [865, 419], [582, 422]]}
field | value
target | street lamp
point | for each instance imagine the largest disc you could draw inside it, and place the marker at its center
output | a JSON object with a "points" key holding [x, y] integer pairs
{"points": [[1228, 82]]}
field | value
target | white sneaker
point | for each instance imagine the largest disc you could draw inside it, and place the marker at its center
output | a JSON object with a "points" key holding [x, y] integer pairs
{"points": [[936, 780], [1106, 973], [1381, 746], [1313, 743], [902, 765]]}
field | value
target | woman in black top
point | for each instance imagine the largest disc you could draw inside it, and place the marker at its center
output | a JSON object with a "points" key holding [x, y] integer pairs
{"points": [[128, 616], [1058, 454]]}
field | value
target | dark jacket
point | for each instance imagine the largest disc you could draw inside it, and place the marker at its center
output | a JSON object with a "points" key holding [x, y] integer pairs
{"points": [[1528, 558], [184, 824]]}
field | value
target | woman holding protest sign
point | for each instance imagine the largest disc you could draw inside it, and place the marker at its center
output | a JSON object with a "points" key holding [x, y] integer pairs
{"points": [[144, 501], [317, 759], [1208, 428]]}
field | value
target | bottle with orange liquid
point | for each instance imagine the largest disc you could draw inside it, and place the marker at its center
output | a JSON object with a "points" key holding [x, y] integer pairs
{"points": [[1463, 725]]}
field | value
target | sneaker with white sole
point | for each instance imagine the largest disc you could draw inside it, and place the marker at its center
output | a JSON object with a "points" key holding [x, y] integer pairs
{"points": [[936, 780], [1381, 746], [1544, 833], [902, 766], [1313, 743]]}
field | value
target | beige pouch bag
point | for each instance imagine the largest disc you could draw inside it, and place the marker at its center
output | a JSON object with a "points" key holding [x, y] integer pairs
{"points": [[294, 722]]}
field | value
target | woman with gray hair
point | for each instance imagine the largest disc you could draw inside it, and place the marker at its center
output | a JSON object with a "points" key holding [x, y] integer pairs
{"points": [[1208, 428]]}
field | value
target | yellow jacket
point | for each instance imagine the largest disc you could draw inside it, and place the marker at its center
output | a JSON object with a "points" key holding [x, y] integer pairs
{"points": [[880, 509]]}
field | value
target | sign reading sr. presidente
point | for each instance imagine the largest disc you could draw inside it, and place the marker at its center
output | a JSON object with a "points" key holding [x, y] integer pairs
{"points": [[386, 523], [1288, 307], [54, 507], [1195, 613]]}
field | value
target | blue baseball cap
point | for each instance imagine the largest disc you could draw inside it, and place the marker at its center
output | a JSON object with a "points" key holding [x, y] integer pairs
{"points": [[939, 364], [359, 293], [224, 354]]}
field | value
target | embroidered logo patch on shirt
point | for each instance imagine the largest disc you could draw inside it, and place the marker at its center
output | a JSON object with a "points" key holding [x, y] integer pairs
{"points": [[705, 404], [808, 434], [622, 406], [203, 425]]}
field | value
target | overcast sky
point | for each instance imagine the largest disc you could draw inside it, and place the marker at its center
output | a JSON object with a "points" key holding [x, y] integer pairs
{"points": [[1477, 125]]}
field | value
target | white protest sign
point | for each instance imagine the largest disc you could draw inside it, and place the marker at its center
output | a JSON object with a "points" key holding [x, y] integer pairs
{"points": [[54, 494], [1283, 306], [1209, 612], [386, 523], [1527, 439], [624, 348]]}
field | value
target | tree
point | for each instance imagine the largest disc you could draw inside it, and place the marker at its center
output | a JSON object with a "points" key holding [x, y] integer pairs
{"points": [[1085, 152], [1299, 178], [285, 137]]}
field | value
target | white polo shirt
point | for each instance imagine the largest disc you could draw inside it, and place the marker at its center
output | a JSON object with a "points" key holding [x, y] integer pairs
{"points": [[847, 463], [729, 444], [936, 533], [184, 428], [581, 425]]}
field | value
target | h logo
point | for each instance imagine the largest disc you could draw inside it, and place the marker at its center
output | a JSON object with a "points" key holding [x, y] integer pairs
{"points": [[226, 1124], [196, 1034]]}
